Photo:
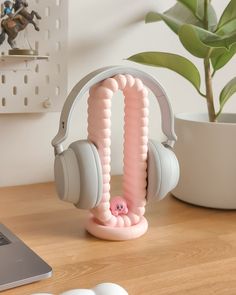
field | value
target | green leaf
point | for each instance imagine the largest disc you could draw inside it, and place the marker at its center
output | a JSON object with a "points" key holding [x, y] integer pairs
{"points": [[172, 23], [208, 38], [197, 8], [226, 93], [191, 4], [175, 17], [190, 39], [229, 14], [152, 17], [220, 41], [183, 12], [174, 62], [220, 57], [228, 28]]}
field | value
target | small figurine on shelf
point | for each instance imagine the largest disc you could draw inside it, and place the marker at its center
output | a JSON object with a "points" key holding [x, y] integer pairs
{"points": [[17, 19], [8, 9], [20, 7]]}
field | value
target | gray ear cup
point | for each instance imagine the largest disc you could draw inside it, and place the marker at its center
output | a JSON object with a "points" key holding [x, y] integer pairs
{"points": [[67, 176], [163, 171], [78, 175]]}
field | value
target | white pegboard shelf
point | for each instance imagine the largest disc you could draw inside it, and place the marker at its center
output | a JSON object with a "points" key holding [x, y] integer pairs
{"points": [[37, 83]]}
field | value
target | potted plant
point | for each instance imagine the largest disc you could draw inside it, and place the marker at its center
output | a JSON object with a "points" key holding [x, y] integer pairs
{"points": [[206, 146]]}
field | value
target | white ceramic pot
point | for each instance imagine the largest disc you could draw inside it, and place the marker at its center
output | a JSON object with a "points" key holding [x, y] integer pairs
{"points": [[207, 156]]}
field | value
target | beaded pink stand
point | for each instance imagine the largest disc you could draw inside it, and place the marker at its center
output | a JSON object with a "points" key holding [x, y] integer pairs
{"points": [[106, 222]]}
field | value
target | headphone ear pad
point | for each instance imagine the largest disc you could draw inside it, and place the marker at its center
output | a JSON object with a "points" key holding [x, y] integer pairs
{"points": [[163, 171], [67, 176], [78, 175]]}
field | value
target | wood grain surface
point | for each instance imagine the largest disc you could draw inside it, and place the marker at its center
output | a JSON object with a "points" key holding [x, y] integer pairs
{"points": [[187, 250]]}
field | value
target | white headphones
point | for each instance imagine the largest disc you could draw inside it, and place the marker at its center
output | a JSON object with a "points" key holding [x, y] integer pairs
{"points": [[79, 171]]}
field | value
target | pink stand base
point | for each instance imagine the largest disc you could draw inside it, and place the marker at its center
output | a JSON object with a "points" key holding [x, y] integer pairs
{"points": [[117, 233]]}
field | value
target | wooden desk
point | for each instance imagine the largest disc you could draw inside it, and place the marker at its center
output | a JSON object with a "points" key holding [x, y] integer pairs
{"points": [[187, 250]]}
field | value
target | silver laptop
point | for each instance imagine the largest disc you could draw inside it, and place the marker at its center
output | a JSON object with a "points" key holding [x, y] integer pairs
{"points": [[19, 265]]}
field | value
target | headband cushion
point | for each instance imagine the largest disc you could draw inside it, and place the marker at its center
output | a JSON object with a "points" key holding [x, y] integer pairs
{"points": [[90, 169], [163, 171]]}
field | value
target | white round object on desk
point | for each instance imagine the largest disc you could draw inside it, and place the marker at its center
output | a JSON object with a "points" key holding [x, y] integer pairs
{"points": [[102, 289], [79, 292], [108, 289]]}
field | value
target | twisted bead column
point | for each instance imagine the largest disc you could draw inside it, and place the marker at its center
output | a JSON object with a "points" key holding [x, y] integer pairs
{"points": [[135, 146], [99, 131]]}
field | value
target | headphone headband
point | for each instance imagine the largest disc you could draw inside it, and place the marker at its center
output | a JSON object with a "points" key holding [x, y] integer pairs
{"points": [[99, 75]]}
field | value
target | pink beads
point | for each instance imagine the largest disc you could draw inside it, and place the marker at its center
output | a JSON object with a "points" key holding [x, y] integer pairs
{"points": [[132, 205]]}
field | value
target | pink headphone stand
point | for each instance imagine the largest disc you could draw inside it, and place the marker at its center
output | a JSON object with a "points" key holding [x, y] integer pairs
{"points": [[128, 221], [117, 233]]}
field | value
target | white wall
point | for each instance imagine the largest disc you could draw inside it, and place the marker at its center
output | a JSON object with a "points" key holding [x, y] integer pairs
{"points": [[101, 33]]}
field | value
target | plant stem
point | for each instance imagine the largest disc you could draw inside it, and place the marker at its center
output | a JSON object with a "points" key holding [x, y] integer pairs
{"points": [[206, 7], [209, 90], [208, 76]]}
